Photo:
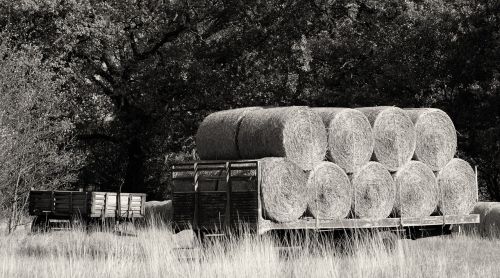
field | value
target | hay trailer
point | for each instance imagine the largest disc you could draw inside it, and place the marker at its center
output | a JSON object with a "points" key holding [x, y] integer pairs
{"points": [[217, 198], [55, 210]]}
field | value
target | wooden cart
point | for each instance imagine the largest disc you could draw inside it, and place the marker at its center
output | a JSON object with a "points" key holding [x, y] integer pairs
{"points": [[63, 209], [217, 198]]}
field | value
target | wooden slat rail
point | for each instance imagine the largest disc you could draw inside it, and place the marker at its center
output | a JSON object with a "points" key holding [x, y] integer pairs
{"points": [[310, 223], [196, 198], [221, 214], [229, 189]]}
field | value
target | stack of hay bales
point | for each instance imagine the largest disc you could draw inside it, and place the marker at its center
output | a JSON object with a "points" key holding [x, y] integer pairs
{"points": [[333, 163]]}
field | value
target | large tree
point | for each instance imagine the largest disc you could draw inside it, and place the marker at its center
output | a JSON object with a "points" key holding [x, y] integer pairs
{"points": [[145, 72]]}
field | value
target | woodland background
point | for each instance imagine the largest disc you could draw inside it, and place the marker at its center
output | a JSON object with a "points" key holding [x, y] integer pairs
{"points": [[107, 93]]}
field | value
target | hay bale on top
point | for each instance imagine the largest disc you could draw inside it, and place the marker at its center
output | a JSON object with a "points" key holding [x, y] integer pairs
{"points": [[217, 134], [296, 133], [416, 190], [458, 188], [350, 137], [437, 138], [283, 190], [374, 191], [394, 135], [330, 192]]}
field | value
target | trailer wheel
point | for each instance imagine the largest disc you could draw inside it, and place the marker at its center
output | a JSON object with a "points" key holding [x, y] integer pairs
{"points": [[40, 224]]}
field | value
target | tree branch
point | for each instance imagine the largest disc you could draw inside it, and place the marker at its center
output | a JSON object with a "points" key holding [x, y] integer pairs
{"points": [[97, 136]]}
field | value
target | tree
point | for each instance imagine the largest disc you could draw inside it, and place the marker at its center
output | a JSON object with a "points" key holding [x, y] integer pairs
{"points": [[34, 131]]}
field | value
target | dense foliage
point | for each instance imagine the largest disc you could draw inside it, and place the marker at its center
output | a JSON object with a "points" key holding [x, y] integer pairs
{"points": [[107, 93]]}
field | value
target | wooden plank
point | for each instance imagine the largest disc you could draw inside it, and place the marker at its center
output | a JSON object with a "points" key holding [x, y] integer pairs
{"points": [[461, 219], [309, 223]]}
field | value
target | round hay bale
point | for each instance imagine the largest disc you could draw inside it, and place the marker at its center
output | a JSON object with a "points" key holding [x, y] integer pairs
{"points": [[491, 222], [283, 190], [458, 189], [394, 135], [296, 133], [374, 191], [483, 208], [416, 190], [350, 137], [158, 212], [436, 142], [218, 133], [330, 192]]}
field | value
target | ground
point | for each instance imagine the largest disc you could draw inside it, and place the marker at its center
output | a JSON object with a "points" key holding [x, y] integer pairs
{"points": [[156, 252]]}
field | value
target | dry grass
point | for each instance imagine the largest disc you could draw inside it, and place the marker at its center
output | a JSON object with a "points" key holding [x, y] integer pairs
{"points": [[157, 253]]}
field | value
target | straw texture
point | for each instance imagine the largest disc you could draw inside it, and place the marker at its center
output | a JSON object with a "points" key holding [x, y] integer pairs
{"points": [[394, 135], [488, 226], [350, 137], [436, 142], [217, 134], [283, 190], [330, 192], [374, 191], [296, 133], [416, 190], [458, 189]]}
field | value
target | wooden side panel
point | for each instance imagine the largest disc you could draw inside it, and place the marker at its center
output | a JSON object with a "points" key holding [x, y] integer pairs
{"points": [[183, 209], [58, 203], [70, 203], [105, 204], [212, 208], [226, 195], [40, 202], [244, 210]]}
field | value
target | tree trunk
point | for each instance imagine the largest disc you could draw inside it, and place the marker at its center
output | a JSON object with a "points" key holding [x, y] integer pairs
{"points": [[134, 175], [13, 217]]}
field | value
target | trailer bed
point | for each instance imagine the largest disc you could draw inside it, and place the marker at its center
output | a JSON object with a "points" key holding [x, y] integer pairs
{"points": [[214, 196], [61, 204]]}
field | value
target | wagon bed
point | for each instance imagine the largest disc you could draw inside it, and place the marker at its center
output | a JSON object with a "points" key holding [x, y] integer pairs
{"points": [[70, 206], [208, 197]]}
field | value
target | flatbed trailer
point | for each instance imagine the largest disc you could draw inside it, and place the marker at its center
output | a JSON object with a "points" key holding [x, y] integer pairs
{"points": [[56, 209], [221, 197]]}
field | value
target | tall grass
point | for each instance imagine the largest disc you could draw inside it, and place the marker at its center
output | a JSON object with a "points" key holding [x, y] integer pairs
{"points": [[156, 252]]}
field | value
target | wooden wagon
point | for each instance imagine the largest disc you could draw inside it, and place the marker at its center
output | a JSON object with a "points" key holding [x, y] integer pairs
{"points": [[63, 209], [215, 198]]}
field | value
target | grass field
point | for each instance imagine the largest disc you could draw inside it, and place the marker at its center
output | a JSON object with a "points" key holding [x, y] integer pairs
{"points": [[159, 253]]}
